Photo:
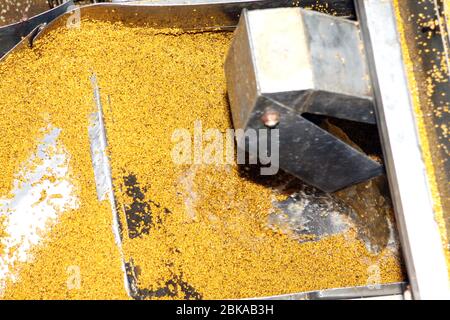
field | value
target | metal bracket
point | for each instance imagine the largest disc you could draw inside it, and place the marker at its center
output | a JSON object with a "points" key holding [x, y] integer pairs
{"points": [[291, 61]]}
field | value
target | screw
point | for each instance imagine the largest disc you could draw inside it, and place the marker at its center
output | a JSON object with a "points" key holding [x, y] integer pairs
{"points": [[270, 118]]}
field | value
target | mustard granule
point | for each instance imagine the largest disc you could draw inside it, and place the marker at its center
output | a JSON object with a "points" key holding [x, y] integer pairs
{"points": [[207, 234]]}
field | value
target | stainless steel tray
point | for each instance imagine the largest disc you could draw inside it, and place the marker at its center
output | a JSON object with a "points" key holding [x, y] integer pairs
{"points": [[220, 15]]}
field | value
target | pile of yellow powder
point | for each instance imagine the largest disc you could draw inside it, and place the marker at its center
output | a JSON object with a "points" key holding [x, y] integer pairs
{"points": [[209, 223]]}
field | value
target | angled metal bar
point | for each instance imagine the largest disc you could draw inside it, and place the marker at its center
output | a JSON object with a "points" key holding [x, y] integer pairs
{"points": [[393, 291], [310, 63]]}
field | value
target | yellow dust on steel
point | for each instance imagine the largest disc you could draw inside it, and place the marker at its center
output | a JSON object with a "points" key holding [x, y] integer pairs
{"points": [[209, 222], [421, 124]]}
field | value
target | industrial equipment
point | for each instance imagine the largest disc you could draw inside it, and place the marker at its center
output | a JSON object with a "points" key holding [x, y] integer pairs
{"points": [[335, 84]]}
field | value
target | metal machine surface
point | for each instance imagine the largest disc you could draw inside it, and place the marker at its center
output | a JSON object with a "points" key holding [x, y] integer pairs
{"points": [[410, 160], [310, 64]]}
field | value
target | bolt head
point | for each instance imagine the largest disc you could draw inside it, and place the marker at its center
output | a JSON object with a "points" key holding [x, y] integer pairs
{"points": [[271, 118]]}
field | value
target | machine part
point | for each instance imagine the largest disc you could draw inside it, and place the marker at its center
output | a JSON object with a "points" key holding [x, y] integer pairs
{"points": [[270, 118], [194, 15], [199, 15], [55, 3], [344, 8], [311, 63], [13, 34], [102, 171], [426, 42], [156, 14], [392, 291], [97, 136], [419, 232]]}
